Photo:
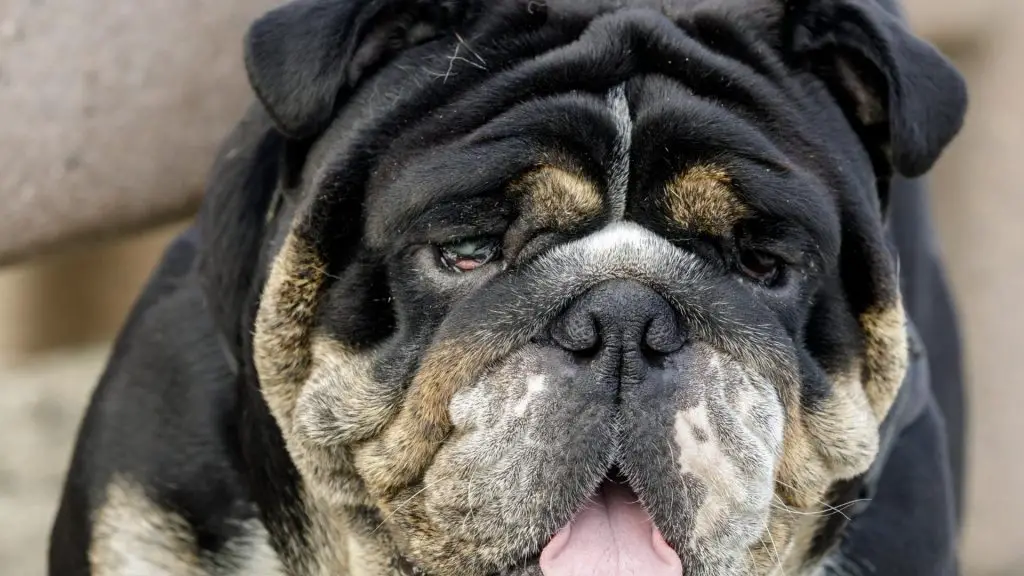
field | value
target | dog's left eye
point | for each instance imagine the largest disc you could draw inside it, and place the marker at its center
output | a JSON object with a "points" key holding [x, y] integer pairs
{"points": [[468, 255], [760, 266]]}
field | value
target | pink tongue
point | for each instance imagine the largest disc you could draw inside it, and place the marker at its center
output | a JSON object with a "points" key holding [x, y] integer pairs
{"points": [[613, 536]]}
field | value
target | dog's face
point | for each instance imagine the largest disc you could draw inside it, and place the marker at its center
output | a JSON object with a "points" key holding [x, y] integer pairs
{"points": [[561, 287]]}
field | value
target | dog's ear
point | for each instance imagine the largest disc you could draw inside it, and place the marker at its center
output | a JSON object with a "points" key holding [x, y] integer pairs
{"points": [[905, 98], [303, 58]]}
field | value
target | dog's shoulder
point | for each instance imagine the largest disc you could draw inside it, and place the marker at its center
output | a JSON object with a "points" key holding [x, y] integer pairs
{"points": [[157, 442]]}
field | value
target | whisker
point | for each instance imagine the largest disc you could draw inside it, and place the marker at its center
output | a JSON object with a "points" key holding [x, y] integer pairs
{"points": [[468, 61], [406, 503], [474, 470], [753, 562], [835, 509], [778, 559], [483, 63], [451, 63]]}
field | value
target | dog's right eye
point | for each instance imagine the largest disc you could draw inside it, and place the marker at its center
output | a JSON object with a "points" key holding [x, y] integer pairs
{"points": [[760, 266], [468, 255]]}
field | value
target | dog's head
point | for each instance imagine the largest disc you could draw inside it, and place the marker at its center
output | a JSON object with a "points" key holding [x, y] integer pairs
{"points": [[545, 285]]}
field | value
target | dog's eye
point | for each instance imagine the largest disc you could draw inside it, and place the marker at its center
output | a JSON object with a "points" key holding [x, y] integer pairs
{"points": [[468, 255], [760, 266]]}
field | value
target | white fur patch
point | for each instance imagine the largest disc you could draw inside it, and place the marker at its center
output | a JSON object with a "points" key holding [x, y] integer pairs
{"points": [[618, 235], [256, 556], [534, 386], [705, 459], [133, 535], [469, 406], [729, 441], [618, 172]]}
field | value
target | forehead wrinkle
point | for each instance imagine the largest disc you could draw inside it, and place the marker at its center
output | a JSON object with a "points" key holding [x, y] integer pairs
{"points": [[439, 181], [572, 130], [768, 175]]}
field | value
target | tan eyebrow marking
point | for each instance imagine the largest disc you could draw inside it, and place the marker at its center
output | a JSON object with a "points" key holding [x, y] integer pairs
{"points": [[702, 199], [556, 197]]}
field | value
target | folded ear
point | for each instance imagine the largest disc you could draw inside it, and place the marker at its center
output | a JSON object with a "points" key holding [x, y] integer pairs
{"points": [[305, 57], [905, 98]]}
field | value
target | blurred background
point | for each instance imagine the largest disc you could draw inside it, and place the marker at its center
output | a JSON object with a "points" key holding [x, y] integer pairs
{"points": [[110, 114]]}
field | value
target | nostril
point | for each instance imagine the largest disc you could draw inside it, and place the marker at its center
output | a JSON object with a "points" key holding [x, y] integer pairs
{"points": [[662, 335], [577, 333], [623, 316]]}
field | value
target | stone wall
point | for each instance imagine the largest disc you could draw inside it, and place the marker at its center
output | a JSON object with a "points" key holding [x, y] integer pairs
{"points": [[110, 111]]}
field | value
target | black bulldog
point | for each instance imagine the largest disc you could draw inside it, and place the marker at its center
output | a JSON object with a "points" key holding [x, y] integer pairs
{"points": [[555, 287]]}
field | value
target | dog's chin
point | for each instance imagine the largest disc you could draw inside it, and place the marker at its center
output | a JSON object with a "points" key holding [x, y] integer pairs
{"points": [[611, 535]]}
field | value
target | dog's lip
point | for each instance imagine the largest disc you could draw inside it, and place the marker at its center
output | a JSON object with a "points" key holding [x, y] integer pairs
{"points": [[621, 511], [614, 477]]}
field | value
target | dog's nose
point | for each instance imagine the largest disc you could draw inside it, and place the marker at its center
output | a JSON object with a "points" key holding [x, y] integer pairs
{"points": [[622, 315]]}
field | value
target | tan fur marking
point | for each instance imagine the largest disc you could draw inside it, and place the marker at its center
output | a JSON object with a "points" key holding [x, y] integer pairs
{"points": [[402, 452], [133, 535], [446, 368], [293, 362], [341, 387], [837, 441], [885, 355], [328, 540], [365, 559], [339, 405], [779, 547], [844, 429], [802, 477], [701, 199], [558, 198], [281, 343]]}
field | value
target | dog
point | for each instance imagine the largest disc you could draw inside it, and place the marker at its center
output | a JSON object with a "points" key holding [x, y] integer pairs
{"points": [[537, 287]]}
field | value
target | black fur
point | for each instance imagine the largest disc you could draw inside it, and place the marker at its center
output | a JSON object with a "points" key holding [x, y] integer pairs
{"points": [[305, 58], [920, 98]]}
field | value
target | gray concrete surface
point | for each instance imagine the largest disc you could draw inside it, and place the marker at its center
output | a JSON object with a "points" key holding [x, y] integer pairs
{"points": [[40, 407], [110, 111]]}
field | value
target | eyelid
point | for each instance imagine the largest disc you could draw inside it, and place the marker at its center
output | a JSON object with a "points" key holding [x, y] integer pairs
{"points": [[472, 241], [485, 250], [790, 249]]}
